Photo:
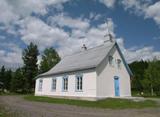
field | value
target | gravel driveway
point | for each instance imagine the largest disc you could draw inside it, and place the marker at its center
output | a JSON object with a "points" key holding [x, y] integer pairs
{"points": [[25, 108]]}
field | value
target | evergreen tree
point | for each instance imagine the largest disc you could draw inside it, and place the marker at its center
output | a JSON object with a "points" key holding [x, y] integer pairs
{"points": [[152, 78], [30, 65], [2, 76], [18, 81], [50, 58], [8, 77], [2, 72], [1, 80], [138, 69]]}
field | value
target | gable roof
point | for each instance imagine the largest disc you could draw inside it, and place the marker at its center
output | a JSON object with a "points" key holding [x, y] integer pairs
{"points": [[123, 59], [86, 59]]}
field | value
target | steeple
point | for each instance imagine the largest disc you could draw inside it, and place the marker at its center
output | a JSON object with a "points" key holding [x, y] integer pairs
{"points": [[108, 37]]}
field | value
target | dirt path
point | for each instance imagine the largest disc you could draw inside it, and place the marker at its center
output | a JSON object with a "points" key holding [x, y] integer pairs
{"points": [[25, 108]]}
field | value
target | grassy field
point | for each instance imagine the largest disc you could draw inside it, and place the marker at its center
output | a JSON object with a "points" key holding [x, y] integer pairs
{"points": [[4, 113], [107, 103]]}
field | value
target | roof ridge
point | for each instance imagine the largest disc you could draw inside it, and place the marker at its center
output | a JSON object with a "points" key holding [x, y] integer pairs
{"points": [[76, 62], [78, 52]]}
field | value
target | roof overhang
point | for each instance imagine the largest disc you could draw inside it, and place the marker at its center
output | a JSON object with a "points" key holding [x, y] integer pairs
{"points": [[65, 72], [124, 61]]}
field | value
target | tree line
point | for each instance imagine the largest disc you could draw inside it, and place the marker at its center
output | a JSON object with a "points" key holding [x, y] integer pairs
{"points": [[146, 78], [146, 73], [22, 79]]}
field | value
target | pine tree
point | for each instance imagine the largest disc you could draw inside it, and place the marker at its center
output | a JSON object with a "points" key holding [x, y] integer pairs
{"points": [[152, 78], [2, 77], [17, 82], [7, 80], [30, 65]]}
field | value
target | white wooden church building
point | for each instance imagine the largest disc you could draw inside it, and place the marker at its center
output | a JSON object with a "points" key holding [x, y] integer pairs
{"points": [[92, 74]]}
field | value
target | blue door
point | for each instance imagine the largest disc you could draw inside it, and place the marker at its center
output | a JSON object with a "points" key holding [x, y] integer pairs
{"points": [[116, 86]]}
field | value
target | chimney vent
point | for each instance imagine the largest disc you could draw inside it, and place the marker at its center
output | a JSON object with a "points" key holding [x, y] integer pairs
{"points": [[84, 47]]}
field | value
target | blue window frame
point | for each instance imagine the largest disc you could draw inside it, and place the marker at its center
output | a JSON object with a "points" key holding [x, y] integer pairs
{"points": [[65, 83], [79, 83], [40, 85], [54, 83]]}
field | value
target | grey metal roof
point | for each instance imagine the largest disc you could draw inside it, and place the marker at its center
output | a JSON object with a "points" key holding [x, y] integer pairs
{"points": [[82, 60]]}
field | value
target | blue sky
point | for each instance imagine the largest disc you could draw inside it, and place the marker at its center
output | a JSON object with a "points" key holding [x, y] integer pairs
{"points": [[135, 29], [67, 24]]}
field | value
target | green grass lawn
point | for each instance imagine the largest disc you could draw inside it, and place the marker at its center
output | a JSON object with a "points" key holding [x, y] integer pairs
{"points": [[107, 103], [2, 114]]}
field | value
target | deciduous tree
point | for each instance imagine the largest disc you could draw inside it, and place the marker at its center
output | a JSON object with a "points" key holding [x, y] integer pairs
{"points": [[50, 58]]}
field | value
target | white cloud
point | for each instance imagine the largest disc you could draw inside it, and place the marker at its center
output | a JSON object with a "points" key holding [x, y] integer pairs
{"points": [[143, 7], [108, 26], [137, 54], [35, 30], [12, 58], [6, 14], [64, 20], [92, 37], [136, 6], [52, 33], [153, 11], [12, 10], [25, 8], [108, 3], [94, 16]]}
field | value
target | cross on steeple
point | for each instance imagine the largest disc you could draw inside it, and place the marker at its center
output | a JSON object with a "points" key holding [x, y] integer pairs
{"points": [[108, 34]]}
